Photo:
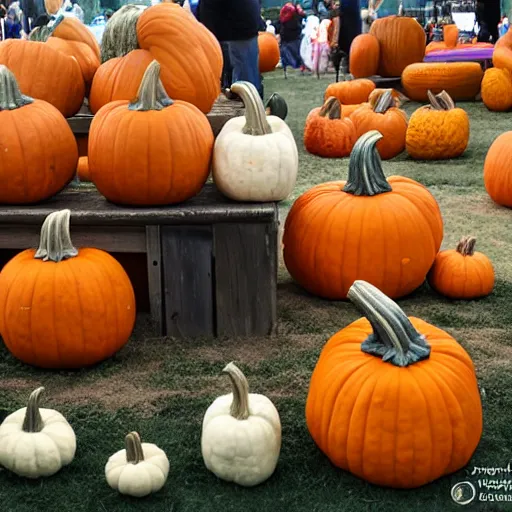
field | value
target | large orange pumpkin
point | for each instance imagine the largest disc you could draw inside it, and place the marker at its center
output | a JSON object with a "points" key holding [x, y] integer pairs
{"points": [[462, 273], [497, 89], [461, 80], [38, 153], [268, 52], [189, 55], [394, 400], [497, 170], [61, 307], [502, 55], [151, 151], [118, 79], [350, 92], [52, 6], [364, 56], [438, 131], [327, 132], [45, 74], [383, 115], [402, 42], [385, 231]]}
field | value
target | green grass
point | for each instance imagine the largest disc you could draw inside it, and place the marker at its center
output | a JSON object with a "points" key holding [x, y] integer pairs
{"points": [[162, 387]]}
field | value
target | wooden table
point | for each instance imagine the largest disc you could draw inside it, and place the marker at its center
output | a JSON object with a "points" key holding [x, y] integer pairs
{"points": [[211, 262], [223, 110]]}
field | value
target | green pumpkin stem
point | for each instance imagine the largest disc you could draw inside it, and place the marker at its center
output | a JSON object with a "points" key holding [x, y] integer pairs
{"points": [[394, 338], [385, 102], [33, 421], [134, 451], [55, 241], [240, 404], [151, 94], [255, 118], [331, 108], [466, 246], [10, 94], [40, 34], [441, 101], [365, 174]]}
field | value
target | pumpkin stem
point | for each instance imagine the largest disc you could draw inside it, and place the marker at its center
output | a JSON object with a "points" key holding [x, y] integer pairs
{"points": [[151, 94], [120, 35], [394, 338], [134, 451], [10, 94], [55, 241], [331, 108], [33, 422], [255, 118], [240, 404], [441, 101], [40, 34], [385, 102], [466, 246], [365, 174]]}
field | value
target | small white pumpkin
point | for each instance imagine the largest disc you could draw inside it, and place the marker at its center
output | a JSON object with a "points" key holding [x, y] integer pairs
{"points": [[36, 442], [138, 470], [241, 437], [255, 156]]}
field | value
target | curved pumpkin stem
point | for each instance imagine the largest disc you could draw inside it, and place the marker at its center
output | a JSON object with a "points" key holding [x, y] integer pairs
{"points": [[441, 101], [151, 94], [331, 108], [120, 35], [33, 421], [55, 242], [10, 94], [40, 34], [385, 102], [240, 404], [255, 118], [365, 174], [394, 338], [134, 451], [466, 246]]}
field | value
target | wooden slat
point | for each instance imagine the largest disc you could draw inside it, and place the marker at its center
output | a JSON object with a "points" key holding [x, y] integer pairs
{"points": [[109, 238], [187, 275], [154, 262], [246, 278]]}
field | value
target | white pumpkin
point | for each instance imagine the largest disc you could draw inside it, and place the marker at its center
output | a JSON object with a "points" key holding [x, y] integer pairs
{"points": [[255, 156], [36, 442], [241, 437], [138, 470]]}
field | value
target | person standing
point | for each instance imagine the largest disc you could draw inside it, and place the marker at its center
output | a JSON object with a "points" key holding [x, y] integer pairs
{"points": [[289, 29], [350, 26], [235, 23]]}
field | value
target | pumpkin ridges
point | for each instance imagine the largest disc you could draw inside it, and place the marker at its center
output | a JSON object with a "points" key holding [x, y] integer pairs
{"points": [[350, 92], [364, 56], [497, 89], [269, 53], [71, 29], [497, 178]]}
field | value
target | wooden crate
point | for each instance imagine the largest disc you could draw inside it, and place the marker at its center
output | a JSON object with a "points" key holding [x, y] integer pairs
{"points": [[211, 262]]}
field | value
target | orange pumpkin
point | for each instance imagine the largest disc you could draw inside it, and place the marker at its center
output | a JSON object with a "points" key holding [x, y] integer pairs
{"points": [[327, 133], [350, 92], [59, 78], [268, 52], [497, 171], [461, 80], [394, 400], [348, 110], [82, 169], [450, 35], [364, 56], [438, 131], [56, 311], [52, 6], [502, 55], [402, 42], [497, 89], [39, 152], [462, 273], [118, 79], [388, 119], [151, 151], [385, 231], [189, 55]]}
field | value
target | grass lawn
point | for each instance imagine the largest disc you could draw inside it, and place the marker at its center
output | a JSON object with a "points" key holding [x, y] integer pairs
{"points": [[162, 388]]}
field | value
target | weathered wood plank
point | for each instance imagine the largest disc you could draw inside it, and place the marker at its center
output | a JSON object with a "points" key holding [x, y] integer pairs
{"points": [[188, 283], [154, 262], [246, 278], [130, 239]]}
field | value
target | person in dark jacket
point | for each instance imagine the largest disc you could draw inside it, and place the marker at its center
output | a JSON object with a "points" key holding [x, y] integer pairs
{"points": [[235, 23], [350, 25], [488, 16], [289, 29]]}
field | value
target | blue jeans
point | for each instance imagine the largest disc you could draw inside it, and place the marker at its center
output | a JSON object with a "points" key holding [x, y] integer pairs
{"points": [[244, 57]]}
